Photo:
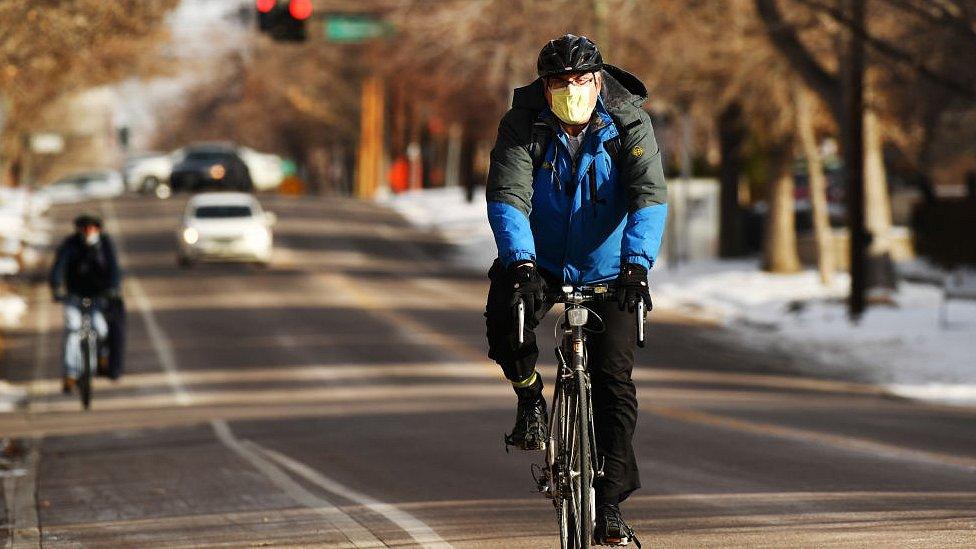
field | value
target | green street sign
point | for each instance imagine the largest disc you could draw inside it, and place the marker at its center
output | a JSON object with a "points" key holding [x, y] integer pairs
{"points": [[355, 28]]}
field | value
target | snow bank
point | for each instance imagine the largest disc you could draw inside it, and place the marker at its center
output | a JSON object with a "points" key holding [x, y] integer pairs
{"points": [[12, 309], [462, 223], [22, 227], [901, 346]]}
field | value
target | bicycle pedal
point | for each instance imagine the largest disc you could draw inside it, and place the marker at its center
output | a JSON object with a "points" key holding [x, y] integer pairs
{"points": [[542, 480]]}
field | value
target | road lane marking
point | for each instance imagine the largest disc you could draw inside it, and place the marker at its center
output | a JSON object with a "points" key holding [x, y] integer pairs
{"points": [[157, 337], [160, 342], [844, 442], [355, 532], [417, 529], [358, 535]]}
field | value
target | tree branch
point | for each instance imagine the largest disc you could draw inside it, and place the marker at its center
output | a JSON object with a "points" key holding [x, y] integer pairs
{"points": [[785, 38], [944, 17], [892, 52]]}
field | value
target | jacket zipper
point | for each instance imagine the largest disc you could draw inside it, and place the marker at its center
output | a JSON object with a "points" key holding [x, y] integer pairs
{"points": [[593, 197]]}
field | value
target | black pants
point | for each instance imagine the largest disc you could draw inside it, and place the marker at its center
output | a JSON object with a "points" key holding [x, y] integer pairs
{"points": [[611, 356]]}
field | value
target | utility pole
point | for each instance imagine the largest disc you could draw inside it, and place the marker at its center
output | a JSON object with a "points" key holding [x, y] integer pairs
{"points": [[369, 167], [854, 159]]}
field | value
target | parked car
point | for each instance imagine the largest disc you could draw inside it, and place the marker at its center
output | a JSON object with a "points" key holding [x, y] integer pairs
{"points": [[88, 185], [225, 226], [265, 168], [211, 166], [149, 173]]}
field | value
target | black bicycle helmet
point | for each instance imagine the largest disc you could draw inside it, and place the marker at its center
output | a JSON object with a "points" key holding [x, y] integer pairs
{"points": [[568, 54], [86, 220]]}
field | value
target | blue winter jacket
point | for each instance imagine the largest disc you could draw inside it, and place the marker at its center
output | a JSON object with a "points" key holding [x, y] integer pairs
{"points": [[581, 219]]}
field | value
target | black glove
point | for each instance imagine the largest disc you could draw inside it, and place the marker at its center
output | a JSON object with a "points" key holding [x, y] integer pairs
{"points": [[528, 286], [632, 287]]}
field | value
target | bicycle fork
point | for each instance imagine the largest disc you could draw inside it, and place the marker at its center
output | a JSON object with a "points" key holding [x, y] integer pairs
{"points": [[578, 343]]}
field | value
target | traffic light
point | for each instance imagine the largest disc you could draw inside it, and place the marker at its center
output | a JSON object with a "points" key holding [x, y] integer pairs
{"points": [[284, 19]]}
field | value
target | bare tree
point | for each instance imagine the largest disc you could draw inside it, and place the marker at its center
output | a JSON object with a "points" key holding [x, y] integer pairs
{"points": [[50, 48]]}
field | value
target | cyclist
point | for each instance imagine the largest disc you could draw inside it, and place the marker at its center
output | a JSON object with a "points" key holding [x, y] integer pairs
{"points": [[576, 195], [85, 267]]}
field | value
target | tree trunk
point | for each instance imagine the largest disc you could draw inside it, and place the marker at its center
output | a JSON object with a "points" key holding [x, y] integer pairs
{"points": [[817, 184], [780, 253], [881, 275], [877, 203], [731, 135]]}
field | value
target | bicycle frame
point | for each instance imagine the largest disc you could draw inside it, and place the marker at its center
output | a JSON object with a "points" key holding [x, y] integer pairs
{"points": [[571, 457]]}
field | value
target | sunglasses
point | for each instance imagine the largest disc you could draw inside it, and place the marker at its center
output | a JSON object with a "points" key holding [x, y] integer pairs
{"points": [[561, 82]]}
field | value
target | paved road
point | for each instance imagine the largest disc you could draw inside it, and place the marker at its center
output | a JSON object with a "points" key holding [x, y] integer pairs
{"points": [[342, 398]]}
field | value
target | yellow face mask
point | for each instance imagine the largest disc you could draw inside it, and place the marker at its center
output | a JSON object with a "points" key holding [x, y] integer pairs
{"points": [[574, 104]]}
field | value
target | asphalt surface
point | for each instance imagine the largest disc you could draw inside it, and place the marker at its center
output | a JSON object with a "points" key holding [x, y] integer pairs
{"points": [[342, 397]]}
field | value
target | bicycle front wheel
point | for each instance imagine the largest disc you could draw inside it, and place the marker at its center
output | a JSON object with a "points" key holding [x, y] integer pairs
{"points": [[562, 440], [89, 354], [584, 464]]}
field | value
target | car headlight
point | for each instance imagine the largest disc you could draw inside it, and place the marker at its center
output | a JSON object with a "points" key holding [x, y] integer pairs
{"points": [[190, 235], [217, 171]]}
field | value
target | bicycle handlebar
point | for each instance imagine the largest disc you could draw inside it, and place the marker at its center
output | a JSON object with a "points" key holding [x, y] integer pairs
{"points": [[576, 296]]}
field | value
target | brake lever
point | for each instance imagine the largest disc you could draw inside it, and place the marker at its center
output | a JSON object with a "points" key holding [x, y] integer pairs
{"points": [[520, 321], [640, 323]]}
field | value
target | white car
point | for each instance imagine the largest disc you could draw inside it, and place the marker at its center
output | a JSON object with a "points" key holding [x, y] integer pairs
{"points": [[84, 186], [225, 226], [265, 168], [148, 173]]}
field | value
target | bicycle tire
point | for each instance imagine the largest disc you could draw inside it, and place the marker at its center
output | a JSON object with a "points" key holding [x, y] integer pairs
{"points": [[89, 354], [556, 457], [584, 461]]}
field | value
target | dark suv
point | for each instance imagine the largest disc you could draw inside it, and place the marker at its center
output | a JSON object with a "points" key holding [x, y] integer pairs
{"points": [[210, 167]]}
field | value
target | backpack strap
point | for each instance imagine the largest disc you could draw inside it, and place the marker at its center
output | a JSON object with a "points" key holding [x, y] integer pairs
{"points": [[614, 146], [542, 135], [539, 144]]}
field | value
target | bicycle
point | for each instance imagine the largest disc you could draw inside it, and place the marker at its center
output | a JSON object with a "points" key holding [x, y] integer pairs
{"points": [[88, 337], [571, 457]]}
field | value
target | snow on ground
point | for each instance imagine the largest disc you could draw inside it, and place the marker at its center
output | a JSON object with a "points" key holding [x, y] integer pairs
{"points": [[22, 230], [462, 223], [902, 346], [23, 227], [12, 310]]}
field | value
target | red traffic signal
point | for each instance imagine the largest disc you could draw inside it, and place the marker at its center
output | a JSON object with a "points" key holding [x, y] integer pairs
{"points": [[300, 9], [284, 20]]}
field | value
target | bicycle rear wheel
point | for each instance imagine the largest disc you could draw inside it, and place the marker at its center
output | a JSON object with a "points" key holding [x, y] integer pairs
{"points": [[89, 354]]}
